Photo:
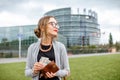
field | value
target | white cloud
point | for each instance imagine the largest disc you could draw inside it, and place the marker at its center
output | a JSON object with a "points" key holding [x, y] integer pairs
{"points": [[28, 12], [48, 7], [29, 5], [109, 23], [105, 37], [11, 19], [110, 17]]}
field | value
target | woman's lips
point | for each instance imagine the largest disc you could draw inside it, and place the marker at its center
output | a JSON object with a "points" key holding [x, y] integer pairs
{"points": [[56, 30]]}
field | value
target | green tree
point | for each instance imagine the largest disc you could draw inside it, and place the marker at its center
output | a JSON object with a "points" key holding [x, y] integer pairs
{"points": [[117, 45], [4, 40], [110, 40]]}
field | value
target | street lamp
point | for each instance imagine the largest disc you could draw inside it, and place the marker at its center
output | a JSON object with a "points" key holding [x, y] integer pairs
{"points": [[19, 46], [19, 38]]}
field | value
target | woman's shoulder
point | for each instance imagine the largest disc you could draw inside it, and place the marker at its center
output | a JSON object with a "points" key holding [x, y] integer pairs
{"points": [[60, 44], [34, 44]]}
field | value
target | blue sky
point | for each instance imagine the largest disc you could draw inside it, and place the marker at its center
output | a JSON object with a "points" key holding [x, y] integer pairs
{"points": [[27, 12]]}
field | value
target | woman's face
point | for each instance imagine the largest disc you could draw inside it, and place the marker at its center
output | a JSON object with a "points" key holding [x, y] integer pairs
{"points": [[52, 27]]}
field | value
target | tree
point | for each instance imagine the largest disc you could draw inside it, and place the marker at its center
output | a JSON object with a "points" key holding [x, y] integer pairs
{"points": [[117, 45], [110, 40], [4, 40]]}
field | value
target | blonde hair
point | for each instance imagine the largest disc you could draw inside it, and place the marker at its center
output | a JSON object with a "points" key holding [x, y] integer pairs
{"points": [[42, 25]]}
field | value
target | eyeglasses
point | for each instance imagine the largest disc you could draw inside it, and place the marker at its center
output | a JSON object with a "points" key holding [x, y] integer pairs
{"points": [[54, 24]]}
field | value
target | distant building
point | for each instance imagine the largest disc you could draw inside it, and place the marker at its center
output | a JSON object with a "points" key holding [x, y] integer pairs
{"points": [[76, 29], [12, 37], [14, 32], [24, 32], [79, 29]]}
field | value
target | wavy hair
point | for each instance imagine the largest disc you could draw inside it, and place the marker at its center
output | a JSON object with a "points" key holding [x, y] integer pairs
{"points": [[42, 25]]}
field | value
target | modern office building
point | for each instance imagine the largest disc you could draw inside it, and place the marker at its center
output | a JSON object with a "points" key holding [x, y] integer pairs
{"points": [[75, 29], [79, 28], [18, 38], [24, 32], [15, 32]]}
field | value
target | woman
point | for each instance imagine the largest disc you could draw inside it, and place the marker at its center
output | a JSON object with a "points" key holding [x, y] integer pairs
{"points": [[47, 47]]}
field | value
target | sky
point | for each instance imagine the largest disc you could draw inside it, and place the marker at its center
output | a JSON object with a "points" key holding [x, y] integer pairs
{"points": [[28, 12]]}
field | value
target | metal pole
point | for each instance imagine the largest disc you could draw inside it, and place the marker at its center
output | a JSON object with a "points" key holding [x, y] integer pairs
{"points": [[19, 36], [19, 47], [119, 32]]}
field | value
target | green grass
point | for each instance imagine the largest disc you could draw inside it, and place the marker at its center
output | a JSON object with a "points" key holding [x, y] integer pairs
{"points": [[13, 71], [106, 67]]}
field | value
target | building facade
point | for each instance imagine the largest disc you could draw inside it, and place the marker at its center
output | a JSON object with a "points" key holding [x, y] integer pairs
{"points": [[16, 39], [80, 28], [25, 33], [14, 32]]}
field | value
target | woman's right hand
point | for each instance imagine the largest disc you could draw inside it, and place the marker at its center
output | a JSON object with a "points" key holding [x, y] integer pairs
{"points": [[37, 67]]}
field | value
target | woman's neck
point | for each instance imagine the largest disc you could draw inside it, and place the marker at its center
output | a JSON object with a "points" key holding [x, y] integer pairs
{"points": [[46, 41]]}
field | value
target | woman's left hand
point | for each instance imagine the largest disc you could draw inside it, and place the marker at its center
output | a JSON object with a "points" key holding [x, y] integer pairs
{"points": [[50, 75]]}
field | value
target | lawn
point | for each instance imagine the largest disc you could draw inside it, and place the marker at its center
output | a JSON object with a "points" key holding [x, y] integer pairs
{"points": [[106, 67]]}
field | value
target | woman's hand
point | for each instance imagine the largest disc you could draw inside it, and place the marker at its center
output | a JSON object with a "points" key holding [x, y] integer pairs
{"points": [[37, 67], [50, 75]]}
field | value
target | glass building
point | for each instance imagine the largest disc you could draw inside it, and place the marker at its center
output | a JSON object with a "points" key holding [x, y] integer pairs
{"points": [[79, 29], [75, 29], [12, 33], [16, 38]]}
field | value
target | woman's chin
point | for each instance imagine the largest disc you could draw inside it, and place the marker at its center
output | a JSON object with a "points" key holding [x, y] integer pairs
{"points": [[55, 35]]}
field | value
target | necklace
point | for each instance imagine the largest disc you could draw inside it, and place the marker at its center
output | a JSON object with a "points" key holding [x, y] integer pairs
{"points": [[46, 49]]}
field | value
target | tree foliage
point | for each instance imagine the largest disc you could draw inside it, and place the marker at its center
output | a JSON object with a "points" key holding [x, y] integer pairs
{"points": [[110, 40]]}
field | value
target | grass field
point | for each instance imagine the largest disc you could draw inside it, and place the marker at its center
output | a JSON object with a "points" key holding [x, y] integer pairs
{"points": [[106, 67]]}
